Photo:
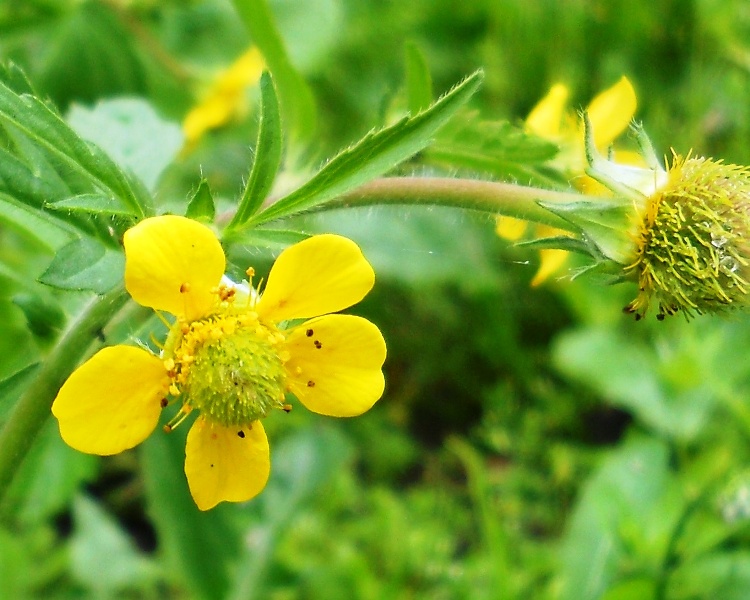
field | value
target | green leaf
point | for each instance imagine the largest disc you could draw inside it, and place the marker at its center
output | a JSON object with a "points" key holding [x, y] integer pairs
{"points": [[38, 132], [723, 574], [606, 224], [653, 385], [267, 155], [199, 547], [496, 148], [261, 237], [85, 264], [102, 556], [374, 155], [132, 133], [44, 316], [201, 206], [418, 79], [92, 204], [297, 100], [302, 465], [47, 231], [624, 518], [49, 477]]}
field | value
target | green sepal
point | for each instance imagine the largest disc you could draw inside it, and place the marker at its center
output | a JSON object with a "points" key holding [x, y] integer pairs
{"points": [[85, 264], [267, 155], [375, 154], [604, 223], [201, 205], [560, 242]]}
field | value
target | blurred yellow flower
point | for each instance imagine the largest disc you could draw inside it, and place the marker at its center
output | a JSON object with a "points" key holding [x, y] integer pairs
{"points": [[610, 113], [225, 98], [231, 354]]}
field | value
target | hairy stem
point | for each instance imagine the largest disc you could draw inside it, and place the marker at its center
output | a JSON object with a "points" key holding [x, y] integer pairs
{"points": [[33, 408], [489, 196]]}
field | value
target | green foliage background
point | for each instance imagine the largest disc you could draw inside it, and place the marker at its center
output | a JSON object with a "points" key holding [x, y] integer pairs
{"points": [[532, 443]]}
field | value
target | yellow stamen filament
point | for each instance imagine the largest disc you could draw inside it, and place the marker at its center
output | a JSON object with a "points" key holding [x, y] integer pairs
{"points": [[175, 422]]}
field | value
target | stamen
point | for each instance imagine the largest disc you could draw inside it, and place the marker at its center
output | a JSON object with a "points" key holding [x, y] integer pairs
{"points": [[175, 422]]}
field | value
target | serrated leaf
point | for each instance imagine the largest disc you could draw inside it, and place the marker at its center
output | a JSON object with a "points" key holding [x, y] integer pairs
{"points": [[267, 155], [37, 130], [85, 264], [418, 80], [373, 155], [497, 148], [92, 204], [201, 206], [296, 97], [605, 223]]}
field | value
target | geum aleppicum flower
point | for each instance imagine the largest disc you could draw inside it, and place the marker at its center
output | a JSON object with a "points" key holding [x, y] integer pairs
{"points": [[689, 230], [610, 112], [231, 354]]}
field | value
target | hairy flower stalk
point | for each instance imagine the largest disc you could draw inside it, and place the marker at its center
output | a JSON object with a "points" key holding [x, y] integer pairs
{"points": [[689, 231]]}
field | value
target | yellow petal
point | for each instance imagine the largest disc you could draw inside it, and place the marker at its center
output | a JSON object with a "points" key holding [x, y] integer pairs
{"points": [[226, 464], [322, 274], [510, 228], [611, 111], [335, 365], [546, 117], [551, 262], [172, 264], [112, 402]]}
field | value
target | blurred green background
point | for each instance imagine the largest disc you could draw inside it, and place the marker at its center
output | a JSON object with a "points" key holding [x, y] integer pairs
{"points": [[532, 442]]}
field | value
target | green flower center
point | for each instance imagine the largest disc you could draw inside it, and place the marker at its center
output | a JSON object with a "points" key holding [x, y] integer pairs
{"points": [[230, 367], [693, 252]]}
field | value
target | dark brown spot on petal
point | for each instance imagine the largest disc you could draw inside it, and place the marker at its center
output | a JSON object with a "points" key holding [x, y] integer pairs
{"points": [[309, 333], [311, 383], [241, 433], [164, 402], [184, 288], [317, 344]]}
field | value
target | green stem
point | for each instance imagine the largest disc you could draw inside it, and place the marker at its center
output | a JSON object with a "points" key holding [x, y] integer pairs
{"points": [[490, 196], [33, 408]]}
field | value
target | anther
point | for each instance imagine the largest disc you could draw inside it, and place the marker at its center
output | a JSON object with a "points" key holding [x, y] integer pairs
{"points": [[287, 408]]}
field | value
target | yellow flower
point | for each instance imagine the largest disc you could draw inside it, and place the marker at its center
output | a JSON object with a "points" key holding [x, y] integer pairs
{"points": [[610, 112], [231, 354], [225, 98]]}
